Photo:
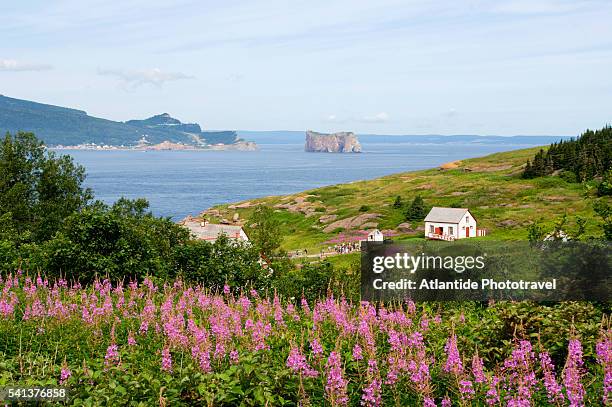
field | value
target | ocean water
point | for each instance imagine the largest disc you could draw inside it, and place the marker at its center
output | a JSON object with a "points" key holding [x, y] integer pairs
{"points": [[180, 183]]}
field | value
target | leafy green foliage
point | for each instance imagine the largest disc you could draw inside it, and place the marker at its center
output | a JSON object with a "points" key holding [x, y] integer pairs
{"points": [[38, 190], [604, 188], [265, 231]]}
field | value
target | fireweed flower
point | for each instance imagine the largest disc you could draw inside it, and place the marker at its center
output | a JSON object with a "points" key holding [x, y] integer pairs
{"points": [[553, 388], [131, 341], [428, 402], [336, 386], [478, 369], [572, 374], [298, 364], [446, 402], [453, 362], [166, 364], [316, 347], [466, 389], [112, 355], [357, 352], [492, 396], [520, 379], [604, 357], [233, 357], [371, 396], [65, 374]]}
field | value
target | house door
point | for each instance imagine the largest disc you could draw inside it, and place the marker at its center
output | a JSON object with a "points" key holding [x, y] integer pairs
{"points": [[439, 231], [467, 232]]}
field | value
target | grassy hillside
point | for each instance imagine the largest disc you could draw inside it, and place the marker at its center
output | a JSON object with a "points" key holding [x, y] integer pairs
{"points": [[490, 187]]}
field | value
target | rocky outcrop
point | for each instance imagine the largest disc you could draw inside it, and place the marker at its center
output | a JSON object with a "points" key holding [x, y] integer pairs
{"points": [[343, 142]]}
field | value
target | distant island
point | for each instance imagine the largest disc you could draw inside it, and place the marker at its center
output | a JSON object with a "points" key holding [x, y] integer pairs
{"points": [[342, 142], [62, 127]]}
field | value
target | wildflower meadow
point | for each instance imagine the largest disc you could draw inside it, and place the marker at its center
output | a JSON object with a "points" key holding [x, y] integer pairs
{"points": [[172, 344]]}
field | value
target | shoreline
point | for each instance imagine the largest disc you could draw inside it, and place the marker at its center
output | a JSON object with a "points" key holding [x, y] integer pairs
{"points": [[241, 146]]}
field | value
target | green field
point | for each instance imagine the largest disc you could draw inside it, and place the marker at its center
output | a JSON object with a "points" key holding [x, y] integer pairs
{"points": [[491, 187]]}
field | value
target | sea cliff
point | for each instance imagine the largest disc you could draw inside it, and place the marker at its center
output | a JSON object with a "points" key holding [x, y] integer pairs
{"points": [[342, 142]]}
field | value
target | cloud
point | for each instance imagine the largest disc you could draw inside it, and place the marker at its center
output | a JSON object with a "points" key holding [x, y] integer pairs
{"points": [[154, 76], [381, 117], [11, 65]]}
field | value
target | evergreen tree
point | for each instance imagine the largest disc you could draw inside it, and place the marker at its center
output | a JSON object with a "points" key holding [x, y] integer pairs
{"points": [[588, 157], [416, 211], [398, 202]]}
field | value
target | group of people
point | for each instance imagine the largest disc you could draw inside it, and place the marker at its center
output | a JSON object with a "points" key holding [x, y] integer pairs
{"points": [[340, 248], [344, 248]]}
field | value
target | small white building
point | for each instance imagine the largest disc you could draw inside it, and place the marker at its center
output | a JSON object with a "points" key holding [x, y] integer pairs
{"points": [[375, 236], [204, 230], [451, 224]]}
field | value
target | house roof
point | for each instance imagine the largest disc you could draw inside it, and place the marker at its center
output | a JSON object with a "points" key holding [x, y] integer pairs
{"points": [[212, 230], [446, 215]]}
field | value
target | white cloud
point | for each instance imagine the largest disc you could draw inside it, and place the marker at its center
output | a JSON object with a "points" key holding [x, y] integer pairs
{"points": [[381, 117], [12, 65], [153, 76]]}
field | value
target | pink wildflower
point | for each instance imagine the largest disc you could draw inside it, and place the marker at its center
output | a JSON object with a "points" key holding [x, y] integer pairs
{"points": [[572, 374], [553, 388], [65, 375], [478, 369], [298, 364], [604, 357], [112, 355], [166, 364], [357, 352], [336, 387], [453, 363]]}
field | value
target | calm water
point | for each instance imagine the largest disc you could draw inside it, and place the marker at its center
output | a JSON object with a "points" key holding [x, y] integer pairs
{"points": [[179, 183]]}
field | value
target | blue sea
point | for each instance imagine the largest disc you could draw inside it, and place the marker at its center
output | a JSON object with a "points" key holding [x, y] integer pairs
{"points": [[181, 183]]}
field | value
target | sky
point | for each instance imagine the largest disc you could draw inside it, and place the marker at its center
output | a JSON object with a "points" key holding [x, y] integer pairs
{"points": [[384, 67]]}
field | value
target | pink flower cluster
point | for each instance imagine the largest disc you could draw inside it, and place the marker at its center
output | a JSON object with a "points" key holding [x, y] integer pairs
{"points": [[355, 353]]}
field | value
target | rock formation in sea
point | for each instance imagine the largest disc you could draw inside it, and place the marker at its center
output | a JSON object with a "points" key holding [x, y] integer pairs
{"points": [[342, 142]]}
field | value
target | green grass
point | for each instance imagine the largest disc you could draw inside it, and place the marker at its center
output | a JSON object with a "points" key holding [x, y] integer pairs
{"points": [[490, 187]]}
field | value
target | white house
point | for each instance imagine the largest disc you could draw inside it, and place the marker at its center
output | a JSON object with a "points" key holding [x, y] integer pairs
{"points": [[451, 224], [211, 231], [375, 236]]}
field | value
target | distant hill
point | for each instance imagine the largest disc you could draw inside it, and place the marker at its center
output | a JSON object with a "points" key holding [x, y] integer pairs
{"points": [[64, 126]]}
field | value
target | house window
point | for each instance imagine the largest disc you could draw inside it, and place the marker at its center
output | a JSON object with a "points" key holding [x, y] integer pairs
{"points": [[471, 227], [450, 230], [467, 219], [431, 228]]}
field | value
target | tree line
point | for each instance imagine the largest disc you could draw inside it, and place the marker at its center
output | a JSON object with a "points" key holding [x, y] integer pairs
{"points": [[582, 159]]}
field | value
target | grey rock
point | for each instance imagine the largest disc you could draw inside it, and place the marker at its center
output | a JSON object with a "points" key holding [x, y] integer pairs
{"points": [[342, 142]]}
